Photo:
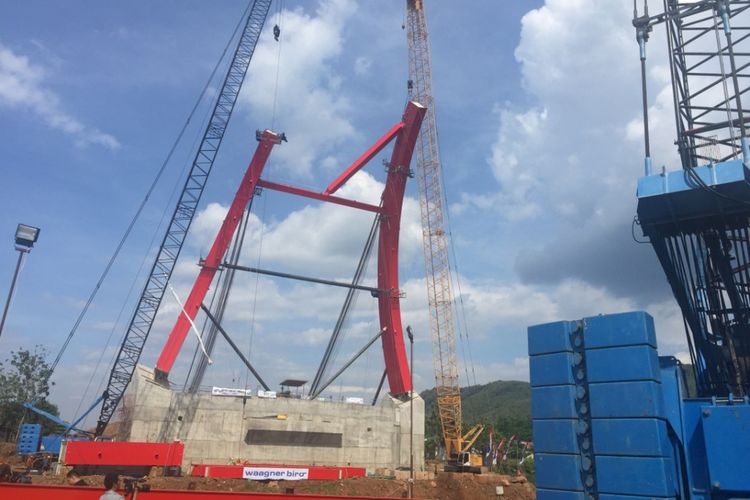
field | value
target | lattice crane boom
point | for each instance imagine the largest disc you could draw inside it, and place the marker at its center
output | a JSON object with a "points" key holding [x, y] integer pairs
{"points": [[435, 242], [166, 259]]}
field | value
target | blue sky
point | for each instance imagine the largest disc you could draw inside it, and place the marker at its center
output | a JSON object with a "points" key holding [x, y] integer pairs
{"points": [[538, 114]]}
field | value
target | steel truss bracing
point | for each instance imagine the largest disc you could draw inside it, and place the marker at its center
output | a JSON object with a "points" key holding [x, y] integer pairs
{"points": [[709, 46], [703, 244], [169, 251], [435, 243]]}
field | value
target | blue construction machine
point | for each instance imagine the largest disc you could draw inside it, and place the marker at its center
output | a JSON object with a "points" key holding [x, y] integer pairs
{"points": [[31, 442], [612, 419]]}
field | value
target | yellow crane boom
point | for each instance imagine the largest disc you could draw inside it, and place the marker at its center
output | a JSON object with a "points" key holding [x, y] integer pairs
{"points": [[435, 241]]}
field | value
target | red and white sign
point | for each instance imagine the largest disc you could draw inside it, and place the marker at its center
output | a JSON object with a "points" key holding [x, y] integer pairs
{"points": [[315, 472], [275, 473]]}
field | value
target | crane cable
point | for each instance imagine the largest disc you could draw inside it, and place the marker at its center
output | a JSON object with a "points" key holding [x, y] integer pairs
{"points": [[458, 305], [217, 304], [136, 277], [142, 205], [280, 39], [255, 290], [279, 23]]}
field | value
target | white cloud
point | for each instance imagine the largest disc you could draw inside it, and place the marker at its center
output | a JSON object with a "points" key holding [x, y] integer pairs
{"points": [[22, 87], [306, 99], [564, 156], [566, 161], [320, 236]]}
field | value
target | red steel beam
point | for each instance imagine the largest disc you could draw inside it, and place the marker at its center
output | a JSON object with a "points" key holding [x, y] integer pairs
{"points": [[317, 196], [216, 255], [315, 472], [389, 308], [46, 492], [362, 160], [123, 453]]}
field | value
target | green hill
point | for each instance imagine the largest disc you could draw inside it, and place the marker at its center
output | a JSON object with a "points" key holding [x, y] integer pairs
{"points": [[502, 406]]}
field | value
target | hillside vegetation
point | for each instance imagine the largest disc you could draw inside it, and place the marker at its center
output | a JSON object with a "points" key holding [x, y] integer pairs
{"points": [[504, 407]]}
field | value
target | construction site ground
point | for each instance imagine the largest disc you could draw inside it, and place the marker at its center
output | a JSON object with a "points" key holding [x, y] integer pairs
{"points": [[445, 486]]}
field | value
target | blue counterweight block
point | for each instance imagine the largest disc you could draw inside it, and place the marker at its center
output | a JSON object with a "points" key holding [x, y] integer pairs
{"points": [[28, 439], [597, 410], [611, 420], [560, 412]]}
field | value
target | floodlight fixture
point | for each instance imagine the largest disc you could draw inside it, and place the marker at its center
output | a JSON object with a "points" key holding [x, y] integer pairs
{"points": [[26, 236]]}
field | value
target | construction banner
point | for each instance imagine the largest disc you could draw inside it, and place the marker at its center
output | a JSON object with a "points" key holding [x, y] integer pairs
{"points": [[274, 473]]}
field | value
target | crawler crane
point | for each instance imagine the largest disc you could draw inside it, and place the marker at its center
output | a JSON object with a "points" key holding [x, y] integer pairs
{"points": [[612, 418], [435, 243]]}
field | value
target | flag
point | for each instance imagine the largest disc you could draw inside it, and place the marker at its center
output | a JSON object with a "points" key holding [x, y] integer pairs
{"points": [[523, 452], [507, 448]]}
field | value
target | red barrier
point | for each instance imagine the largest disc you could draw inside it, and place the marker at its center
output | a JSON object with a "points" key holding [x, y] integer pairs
{"points": [[314, 472], [46, 492], [118, 453]]}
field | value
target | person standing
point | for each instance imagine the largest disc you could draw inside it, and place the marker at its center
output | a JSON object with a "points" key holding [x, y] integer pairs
{"points": [[111, 483]]}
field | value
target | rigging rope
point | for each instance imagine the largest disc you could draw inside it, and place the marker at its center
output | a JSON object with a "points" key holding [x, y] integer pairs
{"points": [[192, 323], [279, 23], [460, 305], [218, 306], [142, 205], [257, 281], [280, 39], [138, 274]]}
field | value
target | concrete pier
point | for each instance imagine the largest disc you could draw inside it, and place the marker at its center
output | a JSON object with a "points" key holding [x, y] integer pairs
{"points": [[216, 429]]}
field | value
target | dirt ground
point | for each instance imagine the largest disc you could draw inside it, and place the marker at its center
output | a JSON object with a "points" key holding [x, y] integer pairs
{"points": [[446, 486]]}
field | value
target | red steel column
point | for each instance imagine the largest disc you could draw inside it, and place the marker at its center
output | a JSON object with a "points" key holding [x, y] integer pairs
{"points": [[389, 307], [215, 256]]}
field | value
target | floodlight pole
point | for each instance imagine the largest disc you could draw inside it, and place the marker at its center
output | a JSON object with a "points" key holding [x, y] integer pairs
{"points": [[411, 412], [26, 236], [21, 251]]}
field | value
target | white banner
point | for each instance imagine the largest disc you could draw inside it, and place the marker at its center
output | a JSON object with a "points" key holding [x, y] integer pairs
{"points": [[227, 391], [274, 473]]}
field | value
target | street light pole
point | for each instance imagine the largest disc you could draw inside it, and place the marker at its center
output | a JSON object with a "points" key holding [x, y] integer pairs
{"points": [[411, 412], [26, 236], [12, 287]]}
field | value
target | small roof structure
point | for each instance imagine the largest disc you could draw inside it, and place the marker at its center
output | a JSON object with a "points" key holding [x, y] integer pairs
{"points": [[291, 382]]}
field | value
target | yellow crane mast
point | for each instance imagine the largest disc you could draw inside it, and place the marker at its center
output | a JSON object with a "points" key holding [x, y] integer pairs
{"points": [[435, 243]]}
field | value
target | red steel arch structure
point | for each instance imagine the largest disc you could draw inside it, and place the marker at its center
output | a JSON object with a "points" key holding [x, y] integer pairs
{"points": [[405, 134]]}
